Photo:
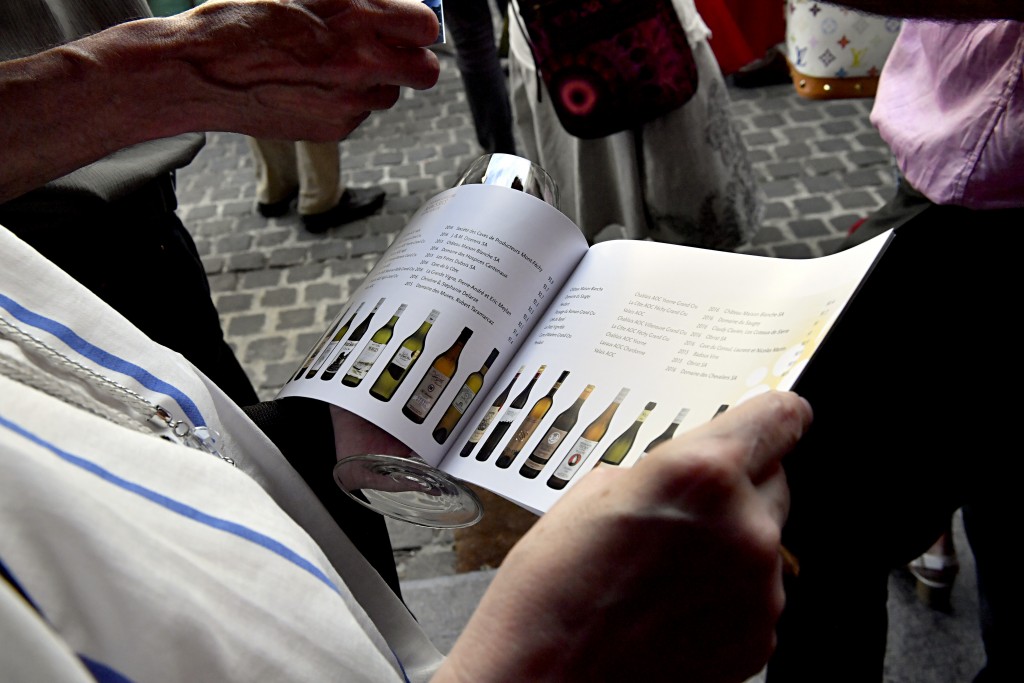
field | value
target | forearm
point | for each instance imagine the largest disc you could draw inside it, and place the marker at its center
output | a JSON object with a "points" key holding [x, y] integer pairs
{"points": [[74, 104], [964, 10]]}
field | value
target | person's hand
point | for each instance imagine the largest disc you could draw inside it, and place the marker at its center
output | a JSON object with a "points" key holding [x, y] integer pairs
{"points": [[669, 570], [300, 69], [354, 436], [276, 69]]}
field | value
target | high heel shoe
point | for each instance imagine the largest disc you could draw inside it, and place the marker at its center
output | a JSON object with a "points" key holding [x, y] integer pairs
{"points": [[935, 574]]}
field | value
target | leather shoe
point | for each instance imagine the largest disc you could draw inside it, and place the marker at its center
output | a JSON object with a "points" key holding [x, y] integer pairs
{"points": [[278, 208], [355, 203]]}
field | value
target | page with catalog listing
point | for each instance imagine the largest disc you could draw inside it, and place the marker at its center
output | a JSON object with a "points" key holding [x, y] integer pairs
{"points": [[645, 342], [442, 314]]}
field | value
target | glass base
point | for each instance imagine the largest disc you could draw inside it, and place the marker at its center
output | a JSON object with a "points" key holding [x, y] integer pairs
{"points": [[409, 490]]}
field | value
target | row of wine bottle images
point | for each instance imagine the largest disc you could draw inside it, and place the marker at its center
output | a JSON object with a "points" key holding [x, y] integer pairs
{"points": [[585, 444], [331, 353]]}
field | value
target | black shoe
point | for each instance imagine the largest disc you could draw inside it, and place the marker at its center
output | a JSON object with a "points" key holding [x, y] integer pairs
{"points": [[278, 208], [355, 203]]}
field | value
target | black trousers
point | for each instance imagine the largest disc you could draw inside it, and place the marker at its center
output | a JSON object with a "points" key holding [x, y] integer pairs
{"points": [[137, 256], [915, 403]]}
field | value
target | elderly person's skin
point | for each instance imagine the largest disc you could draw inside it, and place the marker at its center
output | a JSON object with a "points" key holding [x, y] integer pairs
{"points": [[668, 570], [283, 69]]}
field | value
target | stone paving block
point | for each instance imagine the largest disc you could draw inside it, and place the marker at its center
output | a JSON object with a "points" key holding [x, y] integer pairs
{"points": [[236, 208], [272, 348], [869, 157], [780, 188], [233, 303], [304, 273], [322, 291], [841, 127], [799, 134], [766, 235], [297, 318], [856, 200], [260, 279], [784, 170], [822, 184], [805, 115], [212, 264], [287, 256], [767, 121], [272, 237], [832, 145], [244, 325], [807, 228], [867, 177], [223, 282], [823, 165], [812, 205], [842, 224], [793, 151], [796, 250], [281, 296], [774, 210], [233, 243]]}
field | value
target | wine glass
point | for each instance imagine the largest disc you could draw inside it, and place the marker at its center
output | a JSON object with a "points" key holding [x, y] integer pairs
{"points": [[407, 488]]}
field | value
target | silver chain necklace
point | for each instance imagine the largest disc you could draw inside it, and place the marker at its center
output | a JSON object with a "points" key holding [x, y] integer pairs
{"points": [[143, 415]]}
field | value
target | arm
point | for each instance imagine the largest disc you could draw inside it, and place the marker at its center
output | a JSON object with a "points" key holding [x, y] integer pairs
{"points": [[670, 566], [959, 10], [310, 69]]}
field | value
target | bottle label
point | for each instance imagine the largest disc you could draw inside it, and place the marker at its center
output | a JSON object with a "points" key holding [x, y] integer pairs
{"points": [[365, 360], [346, 349], [523, 433], [576, 457], [463, 399], [404, 357], [427, 392], [511, 414], [548, 444], [484, 424], [325, 355]]}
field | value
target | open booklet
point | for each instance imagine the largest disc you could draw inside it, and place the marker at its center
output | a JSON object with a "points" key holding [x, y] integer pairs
{"points": [[505, 351]]}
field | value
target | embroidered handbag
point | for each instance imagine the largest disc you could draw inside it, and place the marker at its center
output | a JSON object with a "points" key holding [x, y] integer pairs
{"points": [[609, 65]]}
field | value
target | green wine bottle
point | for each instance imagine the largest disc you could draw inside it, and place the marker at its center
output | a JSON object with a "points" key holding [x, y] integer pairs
{"points": [[439, 373], [401, 363], [619, 449], [349, 345], [371, 351], [318, 346], [529, 425], [335, 340], [669, 432], [562, 425], [463, 400], [585, 444]]}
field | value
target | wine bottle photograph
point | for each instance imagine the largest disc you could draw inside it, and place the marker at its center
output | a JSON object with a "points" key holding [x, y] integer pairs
{"points": [[333, 343], [372, 350], [669, 432], [464, 398], [437, 377], [317, 347], [529, 424], [554, 436], [507, 418], [619, 448], [403, 360], [585, 444], [489, 416], [350, 344]]}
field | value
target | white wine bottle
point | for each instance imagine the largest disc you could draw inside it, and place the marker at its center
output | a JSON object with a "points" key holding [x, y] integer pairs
{"points": [[669, 432], [529, 424], [618, 450], [507, 418], [371, 351], [562, 425], [328, 333], [463, 400], [400, 365], [585, 444], [439, 373], [349, 345], [335, 340], [481, 428]]}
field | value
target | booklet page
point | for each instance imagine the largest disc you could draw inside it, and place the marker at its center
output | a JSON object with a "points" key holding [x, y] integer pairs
{"points": [[647, 341], [442, 313]]}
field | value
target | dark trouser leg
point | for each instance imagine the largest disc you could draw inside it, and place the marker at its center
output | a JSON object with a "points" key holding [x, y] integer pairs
{"points": [[913, 397], [138, 257], [476, 54]]}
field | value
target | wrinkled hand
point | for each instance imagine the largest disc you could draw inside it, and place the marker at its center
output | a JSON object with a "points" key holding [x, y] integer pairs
{"points": [[303, 69], [669, 570]]}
